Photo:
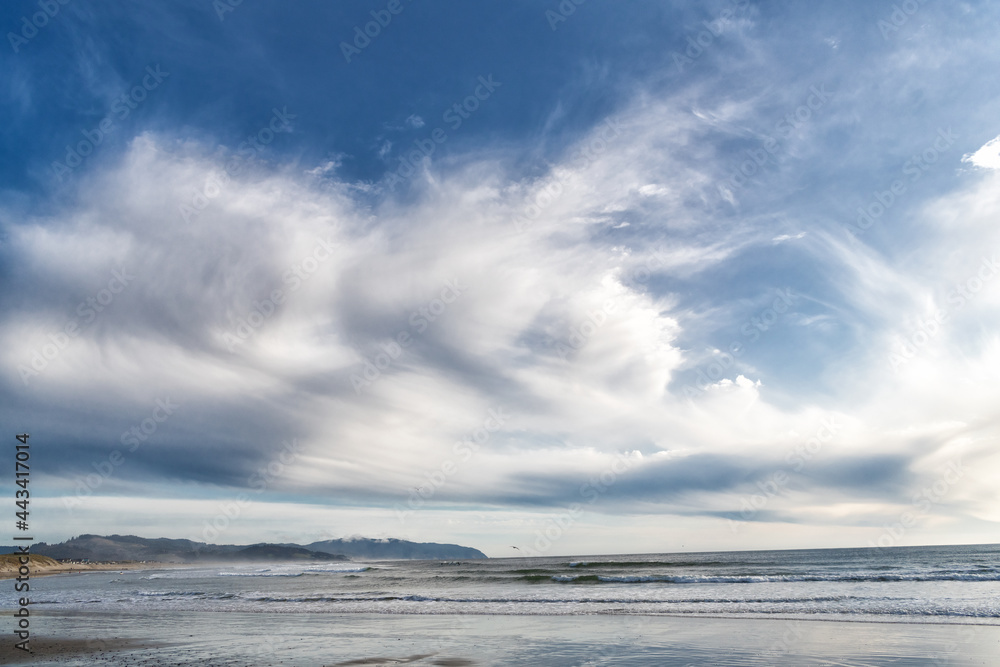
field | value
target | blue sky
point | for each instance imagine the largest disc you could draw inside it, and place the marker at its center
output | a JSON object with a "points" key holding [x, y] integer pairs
{"points": [[607, 277]]}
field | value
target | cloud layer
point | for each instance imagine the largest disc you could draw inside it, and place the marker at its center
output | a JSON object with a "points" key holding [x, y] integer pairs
{"points": [[718, 316]]}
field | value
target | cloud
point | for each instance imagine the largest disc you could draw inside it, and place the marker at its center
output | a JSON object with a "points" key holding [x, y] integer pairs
{"points": [[987, 157], [614, 299], [556, 325], [781, 238]]}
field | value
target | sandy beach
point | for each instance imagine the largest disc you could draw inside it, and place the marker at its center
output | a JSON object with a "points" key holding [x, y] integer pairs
{"points": [[853, 607], [61, 650], [43, 565], [325, 640]]}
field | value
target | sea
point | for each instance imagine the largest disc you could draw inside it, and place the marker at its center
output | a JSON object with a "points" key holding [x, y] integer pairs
{"points": [[914, 586], [886, 584]]}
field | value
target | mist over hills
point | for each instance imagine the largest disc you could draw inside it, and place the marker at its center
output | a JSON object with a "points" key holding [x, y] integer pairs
{"points": [[374, 549], [164, 550]]}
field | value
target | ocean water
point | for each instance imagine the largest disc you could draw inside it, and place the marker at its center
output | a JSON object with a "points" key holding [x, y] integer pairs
{"points": [[906, 584], [847, 607]]}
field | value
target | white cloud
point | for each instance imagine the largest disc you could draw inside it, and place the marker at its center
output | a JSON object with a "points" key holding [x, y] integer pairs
{"points": [[551, 323], [987, 157]]}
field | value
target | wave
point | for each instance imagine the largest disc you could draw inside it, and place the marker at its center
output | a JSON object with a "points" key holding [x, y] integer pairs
{"points": [[260, 574], [311, 571], [364, 568], [576, 579], [365, 598], [804, 605], [157, 594], [646, 563], [760, 578], [729, 604]]}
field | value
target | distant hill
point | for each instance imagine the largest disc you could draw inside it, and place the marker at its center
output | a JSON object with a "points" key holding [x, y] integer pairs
{"points": [[387, 549], [164, 550], [278, 552]]}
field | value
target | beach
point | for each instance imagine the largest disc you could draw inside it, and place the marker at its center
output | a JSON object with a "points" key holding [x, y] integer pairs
{"points": [[847, 607], [315, 640], [42, 565]]}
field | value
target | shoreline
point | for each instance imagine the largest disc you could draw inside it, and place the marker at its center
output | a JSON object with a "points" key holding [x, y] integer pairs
{"points": [[785, 617], [8, 571], [311, 640]]}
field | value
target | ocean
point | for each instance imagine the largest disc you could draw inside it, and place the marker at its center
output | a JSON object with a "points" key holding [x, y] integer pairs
{"points": [[913, 586], [897, 584]]}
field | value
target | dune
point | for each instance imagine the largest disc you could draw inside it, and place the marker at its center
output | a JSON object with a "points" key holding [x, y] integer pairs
{"points": [[41, 565]]}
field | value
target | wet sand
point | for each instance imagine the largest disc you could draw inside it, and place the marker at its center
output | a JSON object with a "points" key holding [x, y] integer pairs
{"points": [[54, 649], [181, 639]]}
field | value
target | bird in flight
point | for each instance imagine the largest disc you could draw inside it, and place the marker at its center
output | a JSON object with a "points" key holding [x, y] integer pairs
{"points": [[515, 548]]}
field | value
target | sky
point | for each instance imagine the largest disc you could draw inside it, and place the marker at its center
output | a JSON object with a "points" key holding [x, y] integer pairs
{"points": [[578, 277]]}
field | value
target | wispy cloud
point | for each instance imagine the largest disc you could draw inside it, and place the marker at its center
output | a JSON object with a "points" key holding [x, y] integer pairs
{"points": [[618, 283]]}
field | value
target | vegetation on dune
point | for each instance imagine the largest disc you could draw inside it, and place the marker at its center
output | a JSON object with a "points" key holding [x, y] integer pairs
{"points": [[12, 561]]}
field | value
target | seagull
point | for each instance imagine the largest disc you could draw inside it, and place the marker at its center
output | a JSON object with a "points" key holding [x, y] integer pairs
{"points": [[515, 548]]}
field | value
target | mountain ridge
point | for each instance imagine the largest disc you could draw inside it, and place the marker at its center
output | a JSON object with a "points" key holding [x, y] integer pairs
{"points": [[167, 550], [367, 548]]}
